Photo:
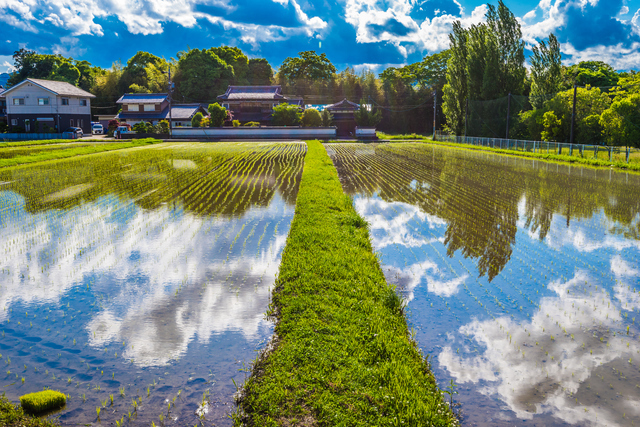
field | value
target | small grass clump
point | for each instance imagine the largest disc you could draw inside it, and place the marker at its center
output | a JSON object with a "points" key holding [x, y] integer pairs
{"points": [[13, 416], [399, 137], [41, 401], [341, 353]]}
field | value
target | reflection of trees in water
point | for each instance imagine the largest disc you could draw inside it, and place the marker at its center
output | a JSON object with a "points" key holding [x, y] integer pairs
{"points": [[218, 179], [478, 194]]}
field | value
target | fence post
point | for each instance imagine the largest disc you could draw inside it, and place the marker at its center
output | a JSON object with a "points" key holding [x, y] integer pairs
{"points": [[466, 118], [435, 105], [595, 150], [628, 152], [508, 113], [571, 149], [610, 153]]}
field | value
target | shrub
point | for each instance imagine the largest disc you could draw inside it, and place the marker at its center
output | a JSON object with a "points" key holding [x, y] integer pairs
{"points": [[140, 127], [327, 118], [286, 115], [311, 118], [218, 115], [252, 124], [164, 126], [41, 401], [206, 122], [197, 120], [3, 127], [367, 118], [236, 123]]}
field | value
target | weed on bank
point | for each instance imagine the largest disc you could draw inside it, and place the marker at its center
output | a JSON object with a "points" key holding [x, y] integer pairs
{"points": [[341, 352]]}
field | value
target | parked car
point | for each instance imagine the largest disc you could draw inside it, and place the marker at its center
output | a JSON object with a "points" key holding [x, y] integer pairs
{"points": [[97, 129], [75, 130]]}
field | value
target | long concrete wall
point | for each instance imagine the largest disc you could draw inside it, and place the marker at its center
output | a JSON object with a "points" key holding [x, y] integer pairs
{"points": [[267, 132]]}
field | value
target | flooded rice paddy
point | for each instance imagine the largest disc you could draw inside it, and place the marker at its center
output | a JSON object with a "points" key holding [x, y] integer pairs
{"points": [[522, 277], [136, 281]]}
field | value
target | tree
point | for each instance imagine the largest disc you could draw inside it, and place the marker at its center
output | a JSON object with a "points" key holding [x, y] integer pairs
{"points": [[592, 73], [202, 75], [309, 66], [367, 116], [311, 118], [141, 127], [196, 120], [621, 122], [218, 115], [546, 71], [65, 71], [327, 118], [164, 126], [455, 90], [134, 73], [260, 72], [286, 115], [237, 59]]}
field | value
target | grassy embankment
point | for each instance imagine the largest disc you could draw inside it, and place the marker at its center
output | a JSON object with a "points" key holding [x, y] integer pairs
{"points": [[341, 353], [41, 156], [408, 136], [13, 416], [632, 166], [45, 142]]}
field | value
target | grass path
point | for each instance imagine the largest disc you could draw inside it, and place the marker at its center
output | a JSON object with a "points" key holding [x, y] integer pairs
{"points": [[341, 353], [41, 156]]}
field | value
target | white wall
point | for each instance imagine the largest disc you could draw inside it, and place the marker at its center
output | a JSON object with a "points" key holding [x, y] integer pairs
{"points": [[31, 93], [256, 132]]}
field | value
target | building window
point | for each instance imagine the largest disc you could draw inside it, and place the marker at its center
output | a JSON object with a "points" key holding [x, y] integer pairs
{"points": [[71, 122], [43, 101], [65, 101], [14, 122], [225, 106], [149, 107], [80, 123], [134, 107], [83, 102], [18, 101]]}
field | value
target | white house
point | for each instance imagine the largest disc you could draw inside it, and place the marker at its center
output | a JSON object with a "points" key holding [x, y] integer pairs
{"points": [[37, 105]]}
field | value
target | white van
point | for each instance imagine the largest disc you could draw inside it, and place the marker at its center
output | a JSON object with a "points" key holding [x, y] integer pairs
{"points": [[97, 129]]}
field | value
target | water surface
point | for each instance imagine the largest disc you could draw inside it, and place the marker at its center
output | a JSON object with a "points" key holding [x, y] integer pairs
{"points": [[522, 277], [142, 274]]}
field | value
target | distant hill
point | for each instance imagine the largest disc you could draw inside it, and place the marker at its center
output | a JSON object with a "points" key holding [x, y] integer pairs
{"points": [[3, 79]]}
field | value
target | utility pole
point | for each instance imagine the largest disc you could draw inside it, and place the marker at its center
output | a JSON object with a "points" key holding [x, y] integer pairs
{"points": [[508, 113], [573, 113], [435, 106], [170, 112]]}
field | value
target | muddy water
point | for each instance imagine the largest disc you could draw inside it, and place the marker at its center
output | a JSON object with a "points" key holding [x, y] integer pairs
{"points": [[142, 274], [522, 277]]}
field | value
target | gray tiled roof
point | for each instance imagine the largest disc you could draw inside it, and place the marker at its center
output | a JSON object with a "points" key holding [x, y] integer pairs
{"points": [[345, 104], [252, 93], [178, 112], [61, 88], [142, 98]]}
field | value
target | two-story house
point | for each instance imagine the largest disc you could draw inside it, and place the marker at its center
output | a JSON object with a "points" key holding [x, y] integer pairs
{"points": [[154, 107], [37, 105]]}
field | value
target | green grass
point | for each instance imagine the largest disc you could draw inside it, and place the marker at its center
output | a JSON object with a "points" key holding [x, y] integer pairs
{"points": [[408, 136], [544, 156], [341, 353], [42, 156], [13, 416], [45, 142], [41, 401]]}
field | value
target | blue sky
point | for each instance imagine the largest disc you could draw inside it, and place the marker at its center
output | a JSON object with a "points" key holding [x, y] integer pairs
{"points": [[357, 33]]}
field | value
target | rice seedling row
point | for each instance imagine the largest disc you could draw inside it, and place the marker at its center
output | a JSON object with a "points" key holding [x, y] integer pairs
{"points": [[521, 276], [123, 284]]}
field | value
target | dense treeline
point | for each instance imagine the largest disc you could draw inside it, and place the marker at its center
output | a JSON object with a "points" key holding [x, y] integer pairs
{"points": [[483, 87]]}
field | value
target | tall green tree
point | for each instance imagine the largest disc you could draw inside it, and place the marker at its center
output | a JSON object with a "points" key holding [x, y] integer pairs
{"points": [[546, 71], [260, 72], [505, 27], [134, 73], [201, 76], [237, 59], [308, 66], [621, 122], [455, 90]]}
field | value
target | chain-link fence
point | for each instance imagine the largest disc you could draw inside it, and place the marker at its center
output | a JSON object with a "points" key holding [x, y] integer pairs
{"points": [[603, 152]]}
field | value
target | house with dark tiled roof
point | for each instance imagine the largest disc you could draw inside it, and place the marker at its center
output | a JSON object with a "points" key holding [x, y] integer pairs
{"points": [[37, 105], [154, 107], [255, 103], [344, 116]]}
